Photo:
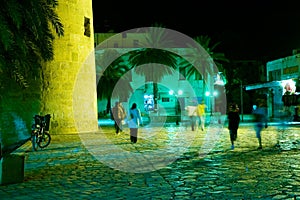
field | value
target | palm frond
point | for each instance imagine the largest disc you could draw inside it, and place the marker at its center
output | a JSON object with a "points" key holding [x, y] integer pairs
{"points": [[6, 37], [157, 37], [111, 70], [19, 78], [26, 37], [203, 58]]}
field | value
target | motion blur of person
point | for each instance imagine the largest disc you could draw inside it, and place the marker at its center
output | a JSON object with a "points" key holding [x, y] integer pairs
{"points": [[192, 114], [201, 114], [233, 122], [261, 120], [119, 114], [135, 120]]}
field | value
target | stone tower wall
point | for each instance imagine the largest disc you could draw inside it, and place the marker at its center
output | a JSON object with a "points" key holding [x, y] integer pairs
{"points": [[69, 92]]}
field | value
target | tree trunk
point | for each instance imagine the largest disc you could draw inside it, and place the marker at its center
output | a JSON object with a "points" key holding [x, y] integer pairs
{"points": [[155, 95]]}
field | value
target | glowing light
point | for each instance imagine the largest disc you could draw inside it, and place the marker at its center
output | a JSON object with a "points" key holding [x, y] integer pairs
{"points": [[171, 92], [180, 92], [215, 93], [146, 96], [289, 86]]}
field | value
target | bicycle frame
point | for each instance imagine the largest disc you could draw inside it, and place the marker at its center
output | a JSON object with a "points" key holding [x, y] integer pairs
{"points": [[40, 136]]}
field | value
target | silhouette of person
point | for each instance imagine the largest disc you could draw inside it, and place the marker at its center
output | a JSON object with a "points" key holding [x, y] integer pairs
{"points": [[135, 120], [192, 114], [201, 114], [119, 114], [233, 122], [261, 121]]}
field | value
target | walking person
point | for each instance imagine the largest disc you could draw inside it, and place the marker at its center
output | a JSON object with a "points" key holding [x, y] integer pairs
{"points": [[192, 114], [201, 114], [233, 122], [135, 120], [119, 114], [261, 120]]}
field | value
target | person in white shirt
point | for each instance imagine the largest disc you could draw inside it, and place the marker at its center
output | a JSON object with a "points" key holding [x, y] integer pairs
{"points": [[192, 113], [135, 120]]}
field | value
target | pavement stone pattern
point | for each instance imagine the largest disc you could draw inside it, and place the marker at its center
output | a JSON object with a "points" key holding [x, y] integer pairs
{"points": [[66, 169]]}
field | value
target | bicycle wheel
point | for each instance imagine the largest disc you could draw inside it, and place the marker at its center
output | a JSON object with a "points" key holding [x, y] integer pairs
{"points": [[44, 140], [34, 142]]}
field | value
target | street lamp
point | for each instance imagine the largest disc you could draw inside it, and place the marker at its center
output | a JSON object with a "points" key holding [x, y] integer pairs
{"points": [[211, 95], [180, 92]]}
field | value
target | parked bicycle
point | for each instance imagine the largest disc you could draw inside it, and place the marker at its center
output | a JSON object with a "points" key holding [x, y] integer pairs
{"points": [[40, 136]]}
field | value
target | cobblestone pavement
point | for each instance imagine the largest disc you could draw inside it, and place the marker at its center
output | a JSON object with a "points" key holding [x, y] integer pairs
{"points": [[166, 163]]}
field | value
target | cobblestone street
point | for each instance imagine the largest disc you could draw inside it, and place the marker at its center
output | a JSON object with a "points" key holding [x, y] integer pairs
{"points": [[169, 162]]}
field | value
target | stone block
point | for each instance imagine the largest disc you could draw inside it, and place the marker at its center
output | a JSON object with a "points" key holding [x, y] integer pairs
{"points": [[11, 169]]}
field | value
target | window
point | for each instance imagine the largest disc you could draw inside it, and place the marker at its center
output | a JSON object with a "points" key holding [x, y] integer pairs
{"points": [[165, 99], [290, 70], [87, 29], [274, 75]]}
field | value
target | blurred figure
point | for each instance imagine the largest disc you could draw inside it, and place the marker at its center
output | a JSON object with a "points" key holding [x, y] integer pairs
{"points": [[261, 120], [119, 114], [192, 114], [233, 122], [286, 117], [135, 120], [201, 114]]}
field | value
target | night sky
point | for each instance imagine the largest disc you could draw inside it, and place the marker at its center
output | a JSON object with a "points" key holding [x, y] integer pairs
{"points": [[263, 29]]}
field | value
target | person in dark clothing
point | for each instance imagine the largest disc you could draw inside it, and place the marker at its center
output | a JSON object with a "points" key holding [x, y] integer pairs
{"points": [[233, 122]]}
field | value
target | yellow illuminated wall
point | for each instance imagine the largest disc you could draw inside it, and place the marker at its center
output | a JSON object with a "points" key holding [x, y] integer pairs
{"points": [[69, 92]]}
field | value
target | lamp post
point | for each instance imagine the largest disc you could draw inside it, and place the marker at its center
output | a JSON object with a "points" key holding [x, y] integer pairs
{"points": [[211, 95], [242, 102]]}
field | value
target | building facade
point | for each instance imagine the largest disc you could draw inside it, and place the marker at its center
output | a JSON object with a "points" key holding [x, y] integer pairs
{"points": [[282, 81], [175, 91]]}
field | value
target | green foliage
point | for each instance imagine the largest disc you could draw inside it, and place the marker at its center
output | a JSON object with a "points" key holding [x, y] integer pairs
{"points": [[112, 81], [204, 59], [154, 56], [110, 68], [155, 61], [26, 36]]}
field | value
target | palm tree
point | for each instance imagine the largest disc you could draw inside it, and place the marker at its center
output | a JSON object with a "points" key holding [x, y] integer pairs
{"points": [[26, 37], [155, 57], [203, 60], [112, 83], [218, 57], [27, 31]]}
